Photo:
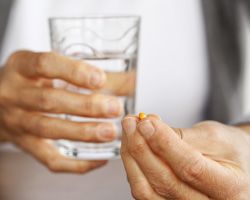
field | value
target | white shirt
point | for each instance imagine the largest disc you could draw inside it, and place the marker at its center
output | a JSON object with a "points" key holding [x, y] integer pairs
{"points": [[172, 76]]}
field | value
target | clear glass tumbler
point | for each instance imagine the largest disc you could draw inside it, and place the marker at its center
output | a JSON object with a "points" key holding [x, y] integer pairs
{"points": [[108, 42]]}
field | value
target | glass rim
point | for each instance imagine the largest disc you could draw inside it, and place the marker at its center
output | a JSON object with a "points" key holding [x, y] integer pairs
{"points": [[93, 17]]}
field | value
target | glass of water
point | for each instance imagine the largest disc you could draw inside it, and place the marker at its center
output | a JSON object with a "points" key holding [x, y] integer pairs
{"points": [[108, 42]]}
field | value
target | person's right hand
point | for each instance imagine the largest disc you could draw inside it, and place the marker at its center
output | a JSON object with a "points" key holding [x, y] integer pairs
{"points": [[27, 96]]}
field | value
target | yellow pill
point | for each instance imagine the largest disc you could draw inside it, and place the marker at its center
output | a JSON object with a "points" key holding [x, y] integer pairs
{"points": [[142, 115]]}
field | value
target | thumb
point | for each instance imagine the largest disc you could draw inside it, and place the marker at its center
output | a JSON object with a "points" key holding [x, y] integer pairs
{"points": [[186, 162]]}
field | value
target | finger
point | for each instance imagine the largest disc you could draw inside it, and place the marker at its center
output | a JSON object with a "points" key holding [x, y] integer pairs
{"points": [[159, 175], [45, 152], [53, 65], [120, 83], [117, 83], [140, 187], [55, 128], [61, 101], [187, 163]]}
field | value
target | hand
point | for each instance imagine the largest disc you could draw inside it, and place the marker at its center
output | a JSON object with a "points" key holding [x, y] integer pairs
{"points": [[207, 161], [27, 96]]}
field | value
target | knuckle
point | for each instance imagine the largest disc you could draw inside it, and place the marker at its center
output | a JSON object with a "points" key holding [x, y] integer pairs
{"points": [[137, 149], [75, 72], [9, 93], [124, 153], [13, 58], [9, 120], [45, 100], [42, 61], [141, 191], [193, 170], [161, 143], [16, 59], [6, 120], [210, 125], [42, 128], [213, 130], [4, 93], [166, 190], [161, 182], [90, 104], [21, 122]]}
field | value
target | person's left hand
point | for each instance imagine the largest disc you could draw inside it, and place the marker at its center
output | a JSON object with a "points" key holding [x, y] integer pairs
{"points": [[207, 161]]}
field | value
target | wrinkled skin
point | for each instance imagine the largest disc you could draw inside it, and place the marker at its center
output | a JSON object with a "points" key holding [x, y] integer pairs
{"points": [[208, 161]]}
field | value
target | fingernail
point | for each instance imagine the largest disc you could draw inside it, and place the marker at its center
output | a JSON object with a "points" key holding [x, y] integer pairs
{"points": [[106, 132], [96, 79], [146, 128], [113, 107], [129, 125]]}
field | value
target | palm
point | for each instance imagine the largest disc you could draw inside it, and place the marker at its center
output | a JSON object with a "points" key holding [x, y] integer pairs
{"points": [[219, 143]]}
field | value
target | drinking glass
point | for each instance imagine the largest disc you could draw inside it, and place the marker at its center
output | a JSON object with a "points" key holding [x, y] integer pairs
{"points": [[108, 42]]}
